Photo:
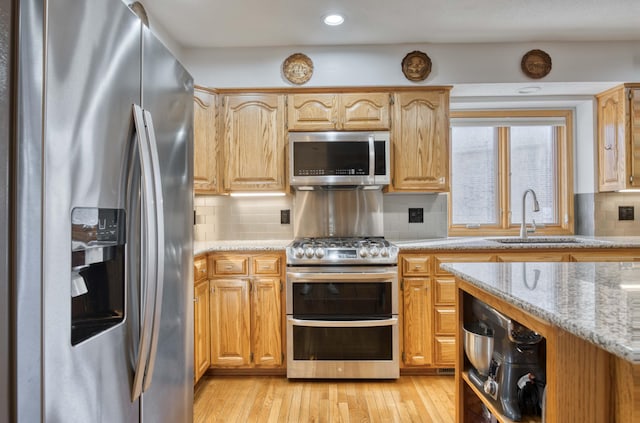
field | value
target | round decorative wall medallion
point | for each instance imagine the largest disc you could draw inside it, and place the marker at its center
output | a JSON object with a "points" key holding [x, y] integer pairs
{"points": [[416, 66], [536, 64], [297, 68]]}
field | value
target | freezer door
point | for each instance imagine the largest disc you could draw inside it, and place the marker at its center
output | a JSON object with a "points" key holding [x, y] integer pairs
{"points": [[92, 74], [167, 95]]}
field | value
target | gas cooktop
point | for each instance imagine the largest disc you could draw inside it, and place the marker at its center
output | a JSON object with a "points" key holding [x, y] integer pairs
{"points": [[338, 251]]}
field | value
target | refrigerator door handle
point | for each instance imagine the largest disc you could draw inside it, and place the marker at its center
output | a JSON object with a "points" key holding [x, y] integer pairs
{"points": [[159, 246], [148, 251]]}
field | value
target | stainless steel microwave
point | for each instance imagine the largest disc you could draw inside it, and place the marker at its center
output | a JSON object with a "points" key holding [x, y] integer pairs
{"points": [[339, 158]]}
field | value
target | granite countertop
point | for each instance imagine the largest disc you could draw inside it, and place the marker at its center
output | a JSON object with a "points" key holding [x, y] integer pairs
{"points": [[598, 302], [453, 243], [491, 243], [202, 247]]}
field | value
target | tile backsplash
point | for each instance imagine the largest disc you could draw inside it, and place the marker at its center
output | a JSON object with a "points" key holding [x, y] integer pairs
{"points": [[606, 214], [396, 216], [241, 218]]}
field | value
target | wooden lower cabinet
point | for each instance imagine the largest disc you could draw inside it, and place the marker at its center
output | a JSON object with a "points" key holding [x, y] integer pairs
{"points": [[427, 297], [246, 311], [230, 327], [417, 327], [201, 330], [266, 322]]}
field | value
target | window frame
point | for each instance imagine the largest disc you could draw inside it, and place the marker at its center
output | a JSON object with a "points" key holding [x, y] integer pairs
{"points": [[564, 188]]}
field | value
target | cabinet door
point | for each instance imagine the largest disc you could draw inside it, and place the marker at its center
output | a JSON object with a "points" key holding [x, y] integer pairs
{"points": [[312, 112], [611, 126], [205, 149], [266, 334], [364, 112], [421, 141], [634, 135], [417, 322], [201, 338], [230, 320], [254, 142]]}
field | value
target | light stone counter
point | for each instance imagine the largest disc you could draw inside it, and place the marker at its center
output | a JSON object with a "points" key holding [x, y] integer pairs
{"points": [[454, 243], [203, 247], [598, 302], [490, 243]]}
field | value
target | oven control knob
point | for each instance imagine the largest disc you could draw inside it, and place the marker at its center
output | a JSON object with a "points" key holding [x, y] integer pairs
{"points": [[374, 251], [384, 252], [308, 252], [299, 252], [363, 252], [319, 252]]}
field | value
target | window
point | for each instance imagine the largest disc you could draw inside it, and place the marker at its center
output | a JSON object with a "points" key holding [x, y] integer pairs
{"points": [[495, 157]]}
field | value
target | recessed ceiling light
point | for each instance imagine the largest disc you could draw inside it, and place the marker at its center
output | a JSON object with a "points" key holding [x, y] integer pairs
{"points": [[529, 90], [333, 19]]}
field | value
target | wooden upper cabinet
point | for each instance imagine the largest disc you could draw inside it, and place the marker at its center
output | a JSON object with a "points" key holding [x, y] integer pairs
{"points": [[365, 112], [205, 151], [312, 112], [619, 138], [254, 142], [340, 112], [420, 141]]}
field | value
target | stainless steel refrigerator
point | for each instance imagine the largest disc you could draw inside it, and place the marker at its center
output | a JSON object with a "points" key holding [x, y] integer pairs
{"points": [[96, 218]]}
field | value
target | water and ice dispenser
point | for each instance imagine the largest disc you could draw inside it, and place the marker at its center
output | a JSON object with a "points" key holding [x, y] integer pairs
{"points": [[97, 271]]}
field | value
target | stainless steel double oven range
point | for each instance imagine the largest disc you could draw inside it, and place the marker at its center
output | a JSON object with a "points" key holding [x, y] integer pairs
{"points": [[342, 278]]}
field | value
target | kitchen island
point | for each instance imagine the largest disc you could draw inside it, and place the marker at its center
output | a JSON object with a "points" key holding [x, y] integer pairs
{"points": [[589, 315]]}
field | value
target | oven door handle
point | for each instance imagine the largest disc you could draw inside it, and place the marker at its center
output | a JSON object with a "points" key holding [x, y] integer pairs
{"points": [[343, 323], [341, 277]]}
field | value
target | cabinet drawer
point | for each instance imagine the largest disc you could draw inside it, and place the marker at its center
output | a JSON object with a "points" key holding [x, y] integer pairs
{"points": [[199, 268], [266, 266], [230, 265], [416, 265], [445, 321], [445, 350], [445, 291]]}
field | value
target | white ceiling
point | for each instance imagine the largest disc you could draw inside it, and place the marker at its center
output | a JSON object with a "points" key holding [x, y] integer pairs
{"points": [[256, 23]]}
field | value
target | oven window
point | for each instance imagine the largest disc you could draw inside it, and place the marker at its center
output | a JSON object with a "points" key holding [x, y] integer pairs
{"points": [[342, 301], [355, 343]]}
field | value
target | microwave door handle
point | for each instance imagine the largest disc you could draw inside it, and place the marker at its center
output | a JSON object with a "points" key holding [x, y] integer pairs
{"points": [[158, 247], [343, 323], [148, 270], [372, 159]]}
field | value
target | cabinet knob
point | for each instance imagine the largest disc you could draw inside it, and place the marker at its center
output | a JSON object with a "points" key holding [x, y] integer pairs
{"points": [[608, 147]]}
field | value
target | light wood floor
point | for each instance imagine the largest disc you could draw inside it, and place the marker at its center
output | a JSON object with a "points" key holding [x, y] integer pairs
{"points": [[259, 399]]}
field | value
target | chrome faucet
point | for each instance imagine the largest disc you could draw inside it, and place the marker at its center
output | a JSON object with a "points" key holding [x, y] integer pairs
{"points": [[536, 208]]}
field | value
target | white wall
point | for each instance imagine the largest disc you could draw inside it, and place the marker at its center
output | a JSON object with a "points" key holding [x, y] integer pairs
{"points": [[381, 64], [160, 32]]}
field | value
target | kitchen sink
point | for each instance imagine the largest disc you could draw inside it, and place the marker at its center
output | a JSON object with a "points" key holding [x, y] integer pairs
{"points": [[536, 240]]}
